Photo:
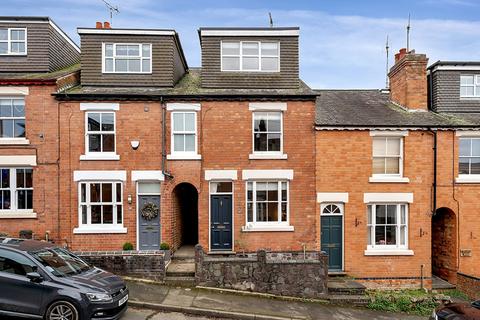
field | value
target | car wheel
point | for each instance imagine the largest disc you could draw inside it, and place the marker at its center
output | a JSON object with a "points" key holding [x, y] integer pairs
{"points": [[62, 310]]}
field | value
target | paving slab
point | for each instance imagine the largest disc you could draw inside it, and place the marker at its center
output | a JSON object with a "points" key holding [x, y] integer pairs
{"points": [[147, 291], [180, 297]]}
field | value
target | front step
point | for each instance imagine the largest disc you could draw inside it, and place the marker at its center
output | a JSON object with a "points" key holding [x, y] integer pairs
{"points": [[180, 272], [345, 287], [180, 281], [357, 300]]}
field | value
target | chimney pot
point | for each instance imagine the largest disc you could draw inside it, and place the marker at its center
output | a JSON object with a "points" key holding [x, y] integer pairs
{"points": [[106, 25], [99, 25]]}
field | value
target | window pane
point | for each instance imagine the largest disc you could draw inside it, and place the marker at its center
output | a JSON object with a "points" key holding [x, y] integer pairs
{"points": [[6, 199], [270, 48], [378, 166], [475, 166], [403, 214], [95, 192], [21, 199], [369, 215], [146, 65], [261, 191], [231, 63], [393, 147], [189, 122], [475, 147], [3, 47], [134, 65], [18, 108], [369, 236], [119, 192], [403, 233], [274, 122], [217, 187], [106, 192], [108, 50], [19, 128], [3, 34], [391, 214], [272, 191], [393, 166], [94, 142], [94, 122], [272, 211], [274, 142], [250, 191], [108, 214], [379, 146], [28, 178], [391, 235], [231, 48], [119, 214], [190, 142], [260, 140], [96, 214], [84, 214], [5, 107], [133, 51], [121, 65], [260, 122], [250, 63], [109, 65], [108, 143], [249, 48], [178, 122], [284, 191], [261, 211], [149, 187], [5, 178], [18, 35], [465, 80], [146, 50], [269, 64], [284, 212], [83, 192], [108, 122], [18, 47], [7, 128], [20, 178], [178, 142], [464, 166], [380, 235], [466, 91], [380, 214], [465, 147], [249, 212], [122, 50]]}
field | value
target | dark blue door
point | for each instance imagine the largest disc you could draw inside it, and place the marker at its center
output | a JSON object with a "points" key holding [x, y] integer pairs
{"points": [[332, 241], [221, 222], [149, 229]]}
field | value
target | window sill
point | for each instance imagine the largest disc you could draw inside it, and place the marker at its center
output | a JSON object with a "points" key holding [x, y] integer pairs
{"points": [[386, 252], [474, 178], [266, 156], [184, 157], [273, 228], [14, 141], [107, 157], [17, 215], [99, 229], [388, 180]]}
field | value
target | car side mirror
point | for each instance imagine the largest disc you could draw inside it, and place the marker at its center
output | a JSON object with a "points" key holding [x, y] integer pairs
{"points": [[34, 277]]}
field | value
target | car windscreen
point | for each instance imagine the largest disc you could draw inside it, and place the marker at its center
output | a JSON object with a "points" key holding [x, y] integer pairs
{"points": [[476, 304], [60, 262]]}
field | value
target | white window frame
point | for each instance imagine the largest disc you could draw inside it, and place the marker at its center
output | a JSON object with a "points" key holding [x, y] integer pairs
{"points": [[475, 86], [115, 56], [267, 154], [100, 155], [386, 177], [469, 174], [90, 227], [267, 225], [15, 139], [14, 192], [371, 228], [183, 154], [240, 56], [9, 42]]}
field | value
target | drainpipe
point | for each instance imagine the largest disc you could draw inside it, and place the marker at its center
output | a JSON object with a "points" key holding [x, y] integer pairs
{"points": [[435, 142], [164, 139]]}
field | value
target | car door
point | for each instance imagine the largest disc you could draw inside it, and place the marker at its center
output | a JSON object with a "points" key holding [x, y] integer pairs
{"points": [[18, 294]]}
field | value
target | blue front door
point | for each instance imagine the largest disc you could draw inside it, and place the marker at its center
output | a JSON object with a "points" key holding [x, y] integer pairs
{"points": [[332, 243], [221, 222], [148, 229]]}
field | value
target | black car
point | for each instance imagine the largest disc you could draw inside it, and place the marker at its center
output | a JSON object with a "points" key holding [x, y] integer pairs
{"points": [[457, 311], [39, 280]]}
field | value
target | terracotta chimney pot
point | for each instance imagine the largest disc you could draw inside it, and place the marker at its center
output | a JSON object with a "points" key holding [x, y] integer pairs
{"points": [[106, 25], [98, 25]]}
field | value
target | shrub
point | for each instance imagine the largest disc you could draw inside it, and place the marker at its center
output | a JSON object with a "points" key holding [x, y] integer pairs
{"points": [[164, 246], [127, 246], [3, 234], [409, 301]]}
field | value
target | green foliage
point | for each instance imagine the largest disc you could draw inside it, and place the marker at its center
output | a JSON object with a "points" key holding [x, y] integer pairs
{"points": [[409, 301], [457, 294], [164, 246], [127, 246], [3, 234]]}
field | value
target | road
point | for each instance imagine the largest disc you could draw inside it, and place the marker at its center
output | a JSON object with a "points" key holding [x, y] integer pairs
{"points": [[143, 314]]}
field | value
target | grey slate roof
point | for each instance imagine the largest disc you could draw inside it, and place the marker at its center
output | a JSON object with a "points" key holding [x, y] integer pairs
{"points": [[189, 87], [373, 108]]}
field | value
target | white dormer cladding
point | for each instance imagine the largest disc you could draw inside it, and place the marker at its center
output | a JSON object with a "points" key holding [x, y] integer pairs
{"points": [[248, 32]]}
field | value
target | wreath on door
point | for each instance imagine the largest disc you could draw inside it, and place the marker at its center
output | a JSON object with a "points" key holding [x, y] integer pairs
{"points": [[149, 211]]}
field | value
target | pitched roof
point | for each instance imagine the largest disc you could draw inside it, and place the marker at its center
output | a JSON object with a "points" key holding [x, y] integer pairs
{"points": [[37, 76], [189, 87], [373, 108]]}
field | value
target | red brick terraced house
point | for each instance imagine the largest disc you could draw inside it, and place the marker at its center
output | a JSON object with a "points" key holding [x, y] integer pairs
{"points": [[393, 171], [36, 60], [226, 151]]}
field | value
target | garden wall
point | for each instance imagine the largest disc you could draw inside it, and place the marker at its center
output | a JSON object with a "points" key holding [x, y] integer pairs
{"points": [[469, 285], [145, 264], [285, 273]]}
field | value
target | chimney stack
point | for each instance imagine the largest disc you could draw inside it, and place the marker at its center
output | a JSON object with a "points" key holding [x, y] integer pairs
{"points": [[408, 80], [106, 25], [98, 25]]}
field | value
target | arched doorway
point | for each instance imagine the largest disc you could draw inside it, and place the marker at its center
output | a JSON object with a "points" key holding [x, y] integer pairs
{"points": [[185, 214], [444, 245]]}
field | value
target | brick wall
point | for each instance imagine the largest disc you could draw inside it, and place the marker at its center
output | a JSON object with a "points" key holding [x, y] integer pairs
{"points": [[469, 284]]}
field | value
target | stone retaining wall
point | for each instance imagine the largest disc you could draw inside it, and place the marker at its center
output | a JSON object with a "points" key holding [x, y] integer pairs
{"points": [[285, 273], [141, 264], [469, 285]]}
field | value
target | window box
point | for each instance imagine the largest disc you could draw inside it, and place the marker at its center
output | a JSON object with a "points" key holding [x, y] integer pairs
{"points": [[13, 41]]}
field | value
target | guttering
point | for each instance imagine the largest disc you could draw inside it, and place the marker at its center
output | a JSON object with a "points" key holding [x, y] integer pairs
{"points": [[143, 32], [182, 97], [387, 127], [6, 82]]}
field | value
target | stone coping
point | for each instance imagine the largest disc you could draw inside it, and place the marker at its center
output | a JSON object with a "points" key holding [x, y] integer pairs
{"points": [[122, 253]]}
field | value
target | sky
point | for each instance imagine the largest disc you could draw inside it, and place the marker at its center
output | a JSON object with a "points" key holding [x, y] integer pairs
{"points": [[342, 42]]}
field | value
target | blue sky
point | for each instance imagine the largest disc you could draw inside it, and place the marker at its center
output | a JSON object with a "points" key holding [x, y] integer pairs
{"points": [[342, 42]]}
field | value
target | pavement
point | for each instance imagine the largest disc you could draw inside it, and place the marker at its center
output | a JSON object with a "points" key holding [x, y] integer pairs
{"points": [[146, 314], [228, 305]]}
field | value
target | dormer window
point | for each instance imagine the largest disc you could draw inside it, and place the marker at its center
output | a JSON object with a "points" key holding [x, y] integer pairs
{"points": [[470, 86], [250, 56], [13, 41], [127, 58]]}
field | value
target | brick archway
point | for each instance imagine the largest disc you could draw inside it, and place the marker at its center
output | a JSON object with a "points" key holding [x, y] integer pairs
{"points": [[185, 215], [444, 245]]}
